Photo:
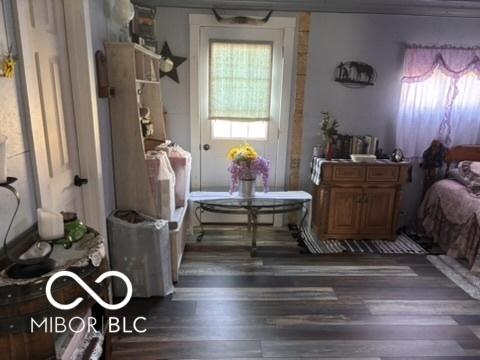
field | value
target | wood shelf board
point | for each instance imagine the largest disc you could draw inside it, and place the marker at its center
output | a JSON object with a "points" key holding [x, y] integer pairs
{"points": [[134, 46], [151, 82]]}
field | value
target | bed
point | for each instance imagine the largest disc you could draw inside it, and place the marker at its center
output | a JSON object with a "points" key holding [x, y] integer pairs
{"points": [[450, 214]]}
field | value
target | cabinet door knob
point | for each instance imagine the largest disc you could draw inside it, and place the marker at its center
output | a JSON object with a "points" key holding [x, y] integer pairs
{"points": [[206, 147]]}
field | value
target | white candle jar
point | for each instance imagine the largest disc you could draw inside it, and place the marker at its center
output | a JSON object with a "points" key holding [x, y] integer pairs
{"points": [[50, 224]]}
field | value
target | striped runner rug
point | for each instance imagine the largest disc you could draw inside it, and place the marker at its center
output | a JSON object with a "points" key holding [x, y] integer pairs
{"points": [[402, 245]]}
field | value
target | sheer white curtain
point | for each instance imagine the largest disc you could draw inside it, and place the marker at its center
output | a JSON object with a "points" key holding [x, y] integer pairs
{"points": [[440, 99], [466, 111]]}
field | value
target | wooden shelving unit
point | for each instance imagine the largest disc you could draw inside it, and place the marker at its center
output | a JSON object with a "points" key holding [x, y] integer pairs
{"points": [[133, 75]]}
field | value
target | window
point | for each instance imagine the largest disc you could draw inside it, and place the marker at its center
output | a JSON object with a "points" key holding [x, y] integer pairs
{"points": [[240, 81], [440, 99]]}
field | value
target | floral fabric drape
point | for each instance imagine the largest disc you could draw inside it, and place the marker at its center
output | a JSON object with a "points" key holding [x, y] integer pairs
{"points": [[440, 98]]}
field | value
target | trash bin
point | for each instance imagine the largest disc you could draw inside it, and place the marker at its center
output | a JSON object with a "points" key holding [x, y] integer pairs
{"points": [[140, 248]]}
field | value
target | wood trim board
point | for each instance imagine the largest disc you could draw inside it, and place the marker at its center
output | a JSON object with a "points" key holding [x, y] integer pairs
{"points": [[303, 34]]}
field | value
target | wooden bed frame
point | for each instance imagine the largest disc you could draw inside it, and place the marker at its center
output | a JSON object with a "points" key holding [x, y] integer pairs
{"points": [[462, 152]]}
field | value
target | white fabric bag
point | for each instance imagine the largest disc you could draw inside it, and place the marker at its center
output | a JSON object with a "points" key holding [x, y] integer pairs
{"points": [[181, 162], [162, 181]]}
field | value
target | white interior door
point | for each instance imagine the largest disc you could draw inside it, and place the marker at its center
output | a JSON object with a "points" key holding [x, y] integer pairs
{"points": [[49, 102]]}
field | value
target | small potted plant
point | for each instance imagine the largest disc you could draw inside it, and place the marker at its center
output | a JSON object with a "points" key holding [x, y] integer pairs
{"points": [[329, 128], [245, 165]]}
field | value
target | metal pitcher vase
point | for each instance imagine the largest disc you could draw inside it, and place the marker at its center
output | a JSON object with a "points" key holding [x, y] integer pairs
{"points": [[246, 188]]}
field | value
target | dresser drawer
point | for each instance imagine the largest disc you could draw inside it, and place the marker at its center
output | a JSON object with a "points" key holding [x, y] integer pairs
{"points": [[382, 173], [348, 173]]}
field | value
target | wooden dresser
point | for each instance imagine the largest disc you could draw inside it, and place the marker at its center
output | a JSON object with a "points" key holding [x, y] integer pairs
{"points": [[357, 200]]}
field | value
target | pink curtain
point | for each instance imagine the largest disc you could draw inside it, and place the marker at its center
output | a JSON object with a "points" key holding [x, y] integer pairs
{"points": [[427, 71]]}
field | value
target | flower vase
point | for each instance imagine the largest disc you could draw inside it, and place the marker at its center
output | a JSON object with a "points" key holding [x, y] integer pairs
{"points": [[330, 150], [246, 188]]}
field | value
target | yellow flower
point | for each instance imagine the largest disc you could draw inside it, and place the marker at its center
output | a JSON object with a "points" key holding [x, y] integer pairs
{"points": [[244, 152], [249, 152], [232, 153]]}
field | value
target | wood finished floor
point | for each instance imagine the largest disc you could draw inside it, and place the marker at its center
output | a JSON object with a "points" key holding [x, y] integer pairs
{"points": [[284, 304]]}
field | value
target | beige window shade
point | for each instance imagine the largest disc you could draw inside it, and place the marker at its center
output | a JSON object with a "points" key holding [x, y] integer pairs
{"points": [[240, 81]]}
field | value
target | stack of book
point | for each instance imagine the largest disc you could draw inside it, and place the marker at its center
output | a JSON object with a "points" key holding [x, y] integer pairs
{"points": [[347, 145]]}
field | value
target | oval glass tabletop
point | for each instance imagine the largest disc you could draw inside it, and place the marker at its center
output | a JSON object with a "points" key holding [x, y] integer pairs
{"points": [[255, 202]]}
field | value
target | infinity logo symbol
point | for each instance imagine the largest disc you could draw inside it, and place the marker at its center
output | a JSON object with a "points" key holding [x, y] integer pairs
{"points": [[88, 290]]}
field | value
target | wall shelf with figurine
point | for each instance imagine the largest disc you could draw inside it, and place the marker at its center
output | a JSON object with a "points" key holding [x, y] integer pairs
{"points": [[355, 74]]}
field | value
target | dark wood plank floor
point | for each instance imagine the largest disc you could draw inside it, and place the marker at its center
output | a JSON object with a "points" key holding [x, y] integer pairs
{"points": [[284, 304]]}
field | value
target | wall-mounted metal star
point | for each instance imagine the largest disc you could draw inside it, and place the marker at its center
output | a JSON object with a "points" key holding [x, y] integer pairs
{"points": [[177, 61]]}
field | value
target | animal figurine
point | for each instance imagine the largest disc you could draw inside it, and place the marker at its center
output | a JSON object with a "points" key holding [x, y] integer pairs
{"points": [[343, 72], [363, 72]]}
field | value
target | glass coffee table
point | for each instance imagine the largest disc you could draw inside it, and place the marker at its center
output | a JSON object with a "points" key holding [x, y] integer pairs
{"points": [[266, 203]]}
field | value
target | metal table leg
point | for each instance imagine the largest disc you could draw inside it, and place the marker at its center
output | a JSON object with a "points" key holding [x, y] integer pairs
{"points": [[198, 214], [253, 220], [301, 229]]}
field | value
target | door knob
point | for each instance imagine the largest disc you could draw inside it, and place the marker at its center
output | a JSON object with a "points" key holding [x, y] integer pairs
{"points": [[78, 181], [206, 147]]}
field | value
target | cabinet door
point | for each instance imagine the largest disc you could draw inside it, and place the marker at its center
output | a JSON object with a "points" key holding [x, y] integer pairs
{"points": [[344, 211], [377, 212]]}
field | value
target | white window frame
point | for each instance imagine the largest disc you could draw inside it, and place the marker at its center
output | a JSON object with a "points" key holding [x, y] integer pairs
{"points": [[286, 24]]}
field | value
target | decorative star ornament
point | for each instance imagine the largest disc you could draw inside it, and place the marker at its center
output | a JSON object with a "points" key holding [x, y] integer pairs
{"points": [[177, 61]]}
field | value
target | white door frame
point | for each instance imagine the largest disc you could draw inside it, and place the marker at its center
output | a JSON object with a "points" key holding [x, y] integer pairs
{"points": [[80, 53], [286, 24]]}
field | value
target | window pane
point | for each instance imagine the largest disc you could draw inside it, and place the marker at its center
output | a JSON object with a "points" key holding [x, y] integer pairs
{"points": [[226, 129], [240, 76], [239, 129], [257, 130], [221, 129]]}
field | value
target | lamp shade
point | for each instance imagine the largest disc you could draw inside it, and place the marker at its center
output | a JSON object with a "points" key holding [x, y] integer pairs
{"points": [[3, 159], [122, 12]]}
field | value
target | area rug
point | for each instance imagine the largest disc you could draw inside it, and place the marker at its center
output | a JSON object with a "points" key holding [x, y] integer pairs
{"points": [[402, 245], [459, 274]]}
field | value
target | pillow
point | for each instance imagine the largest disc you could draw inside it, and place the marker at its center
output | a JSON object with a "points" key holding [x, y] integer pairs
{"points": [[454, 174], [470, 171]]}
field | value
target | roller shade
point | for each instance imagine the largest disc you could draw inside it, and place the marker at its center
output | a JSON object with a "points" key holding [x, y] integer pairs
{"points": [[240, 78]]}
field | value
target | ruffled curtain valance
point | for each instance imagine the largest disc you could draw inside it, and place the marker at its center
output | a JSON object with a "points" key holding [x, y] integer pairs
{"points": [[440, 98], [421, 62]]}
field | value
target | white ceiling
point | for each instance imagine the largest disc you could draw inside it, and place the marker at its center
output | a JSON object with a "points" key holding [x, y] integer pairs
{"points": [[459, 8]]}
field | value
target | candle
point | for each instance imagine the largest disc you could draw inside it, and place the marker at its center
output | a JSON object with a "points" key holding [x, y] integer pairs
{"points": [[3, 159], [50, 224]]}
